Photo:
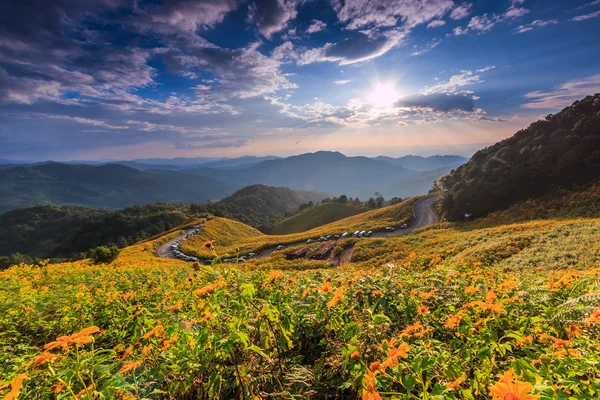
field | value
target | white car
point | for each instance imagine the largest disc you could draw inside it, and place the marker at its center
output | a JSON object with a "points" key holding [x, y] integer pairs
{"points": [[403, 226], [280, 247]]}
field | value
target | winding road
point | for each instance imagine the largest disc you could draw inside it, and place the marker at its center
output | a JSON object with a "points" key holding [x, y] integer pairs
{"points": [[424, 215]]}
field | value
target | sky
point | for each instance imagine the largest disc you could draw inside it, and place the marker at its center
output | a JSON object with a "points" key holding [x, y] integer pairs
{"points": [[126, 79]]}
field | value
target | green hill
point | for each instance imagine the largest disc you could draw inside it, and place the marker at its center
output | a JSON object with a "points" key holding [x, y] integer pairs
{"points": [[65, 231], [313, 217], [560, 151], [260, 205]]}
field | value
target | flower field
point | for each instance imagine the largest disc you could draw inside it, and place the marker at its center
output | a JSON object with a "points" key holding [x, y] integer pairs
{"points": [[166, 329]]}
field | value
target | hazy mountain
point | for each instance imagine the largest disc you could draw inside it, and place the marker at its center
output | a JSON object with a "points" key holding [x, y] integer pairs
{"points": [[559, 151], [260, 205], [110, 186], [416, 184], [323, 171], [424, 163], [240, 162]]}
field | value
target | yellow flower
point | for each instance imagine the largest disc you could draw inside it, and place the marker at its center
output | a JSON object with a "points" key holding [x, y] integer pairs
{"points": [[511, 389]]}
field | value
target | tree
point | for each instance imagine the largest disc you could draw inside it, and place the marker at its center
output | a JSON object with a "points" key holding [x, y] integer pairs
{"points": [[104, 254], [371, 203], [379, 200], [343, 199]]}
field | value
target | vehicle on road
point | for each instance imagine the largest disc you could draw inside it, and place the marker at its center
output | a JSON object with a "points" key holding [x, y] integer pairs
{"points": [[345, 235], [362, 234], [369, 233], [403, 226], [309, 241], [389, 229], [355, 234], [280, 247]]}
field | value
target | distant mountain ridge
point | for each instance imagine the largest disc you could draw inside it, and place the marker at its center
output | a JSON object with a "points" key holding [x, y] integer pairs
{"points": [[422, 164], [107, 186]]}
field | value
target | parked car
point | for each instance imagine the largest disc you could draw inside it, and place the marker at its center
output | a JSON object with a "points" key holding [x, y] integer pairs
{"points": [[369, 233], [362, 233], [336, 236], [389, 229], [355, 234], [403, 226], [280, 247], [251, 254], [309, 241], [345, 235]]}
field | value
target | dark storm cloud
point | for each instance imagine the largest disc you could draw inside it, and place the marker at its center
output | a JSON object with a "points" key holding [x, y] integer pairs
{"points": [[439, 102]]}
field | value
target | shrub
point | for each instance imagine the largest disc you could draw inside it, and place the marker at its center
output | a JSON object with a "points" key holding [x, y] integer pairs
{"points": [[104, 254]]}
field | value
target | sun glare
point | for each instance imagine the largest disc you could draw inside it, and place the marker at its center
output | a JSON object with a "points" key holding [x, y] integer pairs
{"points": [[384, 95]]}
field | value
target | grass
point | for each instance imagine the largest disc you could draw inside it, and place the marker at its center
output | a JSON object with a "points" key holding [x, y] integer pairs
{"points": [[316, 216], [233, 238]]}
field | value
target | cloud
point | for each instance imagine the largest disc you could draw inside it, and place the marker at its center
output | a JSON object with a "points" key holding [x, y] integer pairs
{"points": [[355, 49], [458, 31], [586, 16], [188, 15], [272, 15], [342, 82], [483, 23], [439, 102], [388, 13], [461, 11], [436, 23], [316, 26], [538, 23], [430, 46], [563, 95], [453, 85], [593, 3], [515, 12]]}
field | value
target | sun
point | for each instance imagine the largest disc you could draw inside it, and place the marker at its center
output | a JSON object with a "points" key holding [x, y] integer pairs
{"points": [[384, 95]]}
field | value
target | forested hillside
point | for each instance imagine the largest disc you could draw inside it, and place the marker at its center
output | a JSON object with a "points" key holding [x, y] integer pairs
{"points": [[65, 231], [260, 205], [558, 152]]}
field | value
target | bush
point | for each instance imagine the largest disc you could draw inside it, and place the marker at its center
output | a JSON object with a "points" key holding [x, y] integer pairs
{"points": [[104, 254]]}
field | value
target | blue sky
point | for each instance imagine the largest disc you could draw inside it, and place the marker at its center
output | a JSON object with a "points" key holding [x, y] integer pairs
{"points": [[124, 79]]}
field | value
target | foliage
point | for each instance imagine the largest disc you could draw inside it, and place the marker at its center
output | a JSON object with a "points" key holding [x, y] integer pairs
{"points": [[557, 152], [165, 329], [67, 231], [104, 254]]}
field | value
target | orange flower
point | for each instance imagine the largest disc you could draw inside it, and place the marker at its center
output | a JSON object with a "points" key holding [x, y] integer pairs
{"points": [[454, 320], [209, 244], [574, 330], [457, 382], [471, 289], [370, 390], [355, 355], [374, 365], [422, 310], [594, 318], [77, 338], [15, 387], [394, 353], [326, 287], [177, 306], [377, 293], [337, 297], [130, 366], [511, 389], [209, 288], [42, 358]]}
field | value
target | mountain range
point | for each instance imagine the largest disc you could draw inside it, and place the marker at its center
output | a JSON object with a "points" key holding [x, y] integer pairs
{"points": [[143, 181]]}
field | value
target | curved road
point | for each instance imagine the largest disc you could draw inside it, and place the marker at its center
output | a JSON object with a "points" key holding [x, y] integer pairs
{"points": [[424, 215]]}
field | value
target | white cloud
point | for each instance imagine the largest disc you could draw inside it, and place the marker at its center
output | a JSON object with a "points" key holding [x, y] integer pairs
{"points": [[436, 23], [462, 11], [456, 82], [430, 46], [387, 13], [563, 95], [538, 23], [483, 23], [458, 31], [515, 12], [342, 82], [586, 16], [316, 26]]}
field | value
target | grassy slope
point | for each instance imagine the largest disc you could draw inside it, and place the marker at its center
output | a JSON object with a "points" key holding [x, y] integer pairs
{"points": [[558, 230], [318, 215], [246, 239]]}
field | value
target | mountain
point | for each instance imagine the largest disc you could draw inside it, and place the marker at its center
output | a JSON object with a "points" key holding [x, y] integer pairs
{"points": [[240, 162], [419, 163], [108, 186], [182, 163], [324, 171], [559, 151], [66, 231], [313, 217], [260, 205], [419, 183]]}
